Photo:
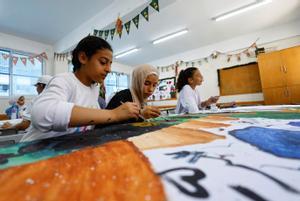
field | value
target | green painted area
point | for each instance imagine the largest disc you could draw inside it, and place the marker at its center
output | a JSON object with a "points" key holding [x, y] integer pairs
{"points": [[268, 115], [30, 158]]}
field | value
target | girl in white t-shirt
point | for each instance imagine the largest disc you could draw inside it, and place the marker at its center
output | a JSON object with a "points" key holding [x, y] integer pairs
{"points": [[187, 85], [70, 101]]}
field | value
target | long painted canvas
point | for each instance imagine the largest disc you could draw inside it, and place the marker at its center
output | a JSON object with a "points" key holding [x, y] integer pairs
{"points": [[249, 153]]}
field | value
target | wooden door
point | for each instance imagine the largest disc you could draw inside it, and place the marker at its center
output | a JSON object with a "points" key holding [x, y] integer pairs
{"points": [[291, 65], [276, 96], [271, 70]]}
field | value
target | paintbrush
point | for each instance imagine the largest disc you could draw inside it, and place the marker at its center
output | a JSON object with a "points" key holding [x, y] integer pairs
{"points": [[140, 116]]}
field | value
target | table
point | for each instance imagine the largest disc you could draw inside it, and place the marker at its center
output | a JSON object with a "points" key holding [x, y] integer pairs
{"points": [[245, 153]]}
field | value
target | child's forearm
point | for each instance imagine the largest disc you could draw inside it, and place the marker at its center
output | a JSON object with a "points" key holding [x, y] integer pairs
{"points": [[82, 116], [23, 125]]}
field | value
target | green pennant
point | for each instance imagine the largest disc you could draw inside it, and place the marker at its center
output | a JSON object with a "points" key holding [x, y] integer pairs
{"points": [[136, 20], [106, 33], [145, 13], [112, 33], [100, 33], [154, 4], [127, 26], [95, 32]]}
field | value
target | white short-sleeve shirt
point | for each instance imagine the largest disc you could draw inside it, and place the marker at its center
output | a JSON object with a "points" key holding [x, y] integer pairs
{"points": [[189, 100], [51, 111]]}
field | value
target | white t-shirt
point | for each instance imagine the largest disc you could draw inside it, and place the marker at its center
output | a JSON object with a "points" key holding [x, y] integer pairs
{"points": [[51, 111], [189, 100], [27, 112]]}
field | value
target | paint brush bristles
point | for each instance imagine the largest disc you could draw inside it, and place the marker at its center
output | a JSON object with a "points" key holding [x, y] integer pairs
{"points": [[141, 116]]}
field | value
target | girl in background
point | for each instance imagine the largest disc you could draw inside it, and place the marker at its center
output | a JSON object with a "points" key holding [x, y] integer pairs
{"points": [[17, 108], [143, 83], [187, 85]]}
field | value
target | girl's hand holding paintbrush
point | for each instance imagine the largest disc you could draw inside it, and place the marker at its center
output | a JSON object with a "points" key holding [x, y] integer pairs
{"points": [[150, 112], [127, 110]]}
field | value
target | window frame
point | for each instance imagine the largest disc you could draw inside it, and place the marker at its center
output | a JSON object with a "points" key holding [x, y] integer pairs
{"points": [[10, 70], [117, 85]]}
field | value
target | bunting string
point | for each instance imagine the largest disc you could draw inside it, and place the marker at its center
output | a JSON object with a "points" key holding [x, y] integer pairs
{"points": [[249, 51], [23, 59], [118, 28]]}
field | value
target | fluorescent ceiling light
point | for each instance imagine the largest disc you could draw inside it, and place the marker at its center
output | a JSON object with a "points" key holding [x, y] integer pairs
{"points": [[242, 9], [167, 37], [127, 52]]}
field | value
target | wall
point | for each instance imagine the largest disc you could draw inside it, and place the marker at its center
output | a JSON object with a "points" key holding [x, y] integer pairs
{"points": [[275, 38], [61, 66], [21, 44]]}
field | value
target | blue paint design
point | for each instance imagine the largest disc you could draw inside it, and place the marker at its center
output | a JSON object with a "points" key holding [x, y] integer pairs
{"points": [[295, 123], [283, 143]]}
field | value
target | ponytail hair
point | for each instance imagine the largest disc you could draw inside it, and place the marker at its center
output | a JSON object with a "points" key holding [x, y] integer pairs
{"points": [[183, 77], [89, 45]]}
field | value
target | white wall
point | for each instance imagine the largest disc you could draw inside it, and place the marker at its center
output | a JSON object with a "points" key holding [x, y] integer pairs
{"points": [[61, 66], [24, 45], [275, 38]]}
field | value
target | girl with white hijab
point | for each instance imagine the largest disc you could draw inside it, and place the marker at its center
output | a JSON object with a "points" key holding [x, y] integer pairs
{"points": [[143, 83]]}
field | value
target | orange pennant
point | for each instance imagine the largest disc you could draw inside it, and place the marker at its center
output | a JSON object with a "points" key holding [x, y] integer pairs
{"points": [[44, 55], [15, 60], [31, 60], [24, 60]]}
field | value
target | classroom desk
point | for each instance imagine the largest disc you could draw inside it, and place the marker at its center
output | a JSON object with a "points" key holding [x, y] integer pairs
{"points": [[11, 121], [245, 153]]}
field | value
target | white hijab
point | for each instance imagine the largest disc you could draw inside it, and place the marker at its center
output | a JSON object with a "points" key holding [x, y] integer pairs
{"points": [[139, 76]]}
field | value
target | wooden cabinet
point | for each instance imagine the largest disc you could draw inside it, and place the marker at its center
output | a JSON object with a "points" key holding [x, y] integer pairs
{"points": [[280, 76], [291, 65], [270, 70]]}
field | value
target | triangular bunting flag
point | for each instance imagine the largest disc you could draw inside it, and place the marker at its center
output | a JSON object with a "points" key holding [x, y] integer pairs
{"points": [[112, 33], [32, 59], [106, 33], [95, 32], [39, 58], [136, 20], [44, 55], [154, 4], [119, 26], [145, 13], [15, 60], [24, 60], [127, 26], [5, 56], [100, 33], [120, 33]]}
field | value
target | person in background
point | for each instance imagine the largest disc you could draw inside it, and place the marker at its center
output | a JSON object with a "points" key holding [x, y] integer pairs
{"points": [[101, 98], [26, 117], [17, 108], [143, 83], [69, 104], [187, 85]]}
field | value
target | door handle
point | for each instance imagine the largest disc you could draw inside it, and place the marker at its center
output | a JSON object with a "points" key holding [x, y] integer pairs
{"points": [[284, 69]]}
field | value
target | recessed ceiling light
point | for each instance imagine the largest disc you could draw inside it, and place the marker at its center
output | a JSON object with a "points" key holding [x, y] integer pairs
{"points": [[172, 35], [242, 9], [127, 52]]}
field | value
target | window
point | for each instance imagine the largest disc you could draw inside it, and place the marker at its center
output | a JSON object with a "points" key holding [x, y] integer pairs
{"points": [[18, 73], [115, 82]]}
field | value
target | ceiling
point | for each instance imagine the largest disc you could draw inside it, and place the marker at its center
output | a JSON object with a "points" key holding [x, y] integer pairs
{"points": [[50, 21], [46, 21]]}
